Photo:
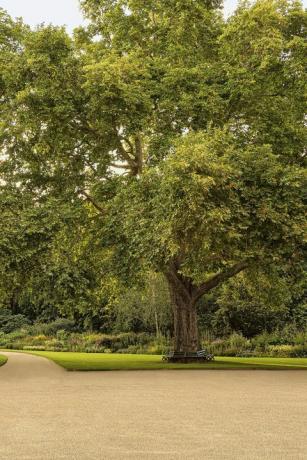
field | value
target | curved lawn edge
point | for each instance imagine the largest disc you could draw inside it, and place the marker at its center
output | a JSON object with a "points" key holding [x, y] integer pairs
{"points": [[73, 361], [3, 360]]}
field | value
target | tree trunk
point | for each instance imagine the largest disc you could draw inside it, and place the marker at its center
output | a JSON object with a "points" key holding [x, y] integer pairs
{"points": [[184, 296], [157, 324], [185, 327], [185, 316]]}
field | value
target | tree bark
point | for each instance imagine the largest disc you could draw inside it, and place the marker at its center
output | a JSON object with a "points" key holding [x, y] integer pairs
{"points": [[185, 326], [186, 337]]}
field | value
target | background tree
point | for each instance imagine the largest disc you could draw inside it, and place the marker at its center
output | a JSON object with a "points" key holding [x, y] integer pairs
{"points": [[144, 309], [254, 302]]}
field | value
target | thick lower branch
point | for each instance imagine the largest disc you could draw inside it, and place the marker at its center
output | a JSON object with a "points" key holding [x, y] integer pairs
{"points": [[218, 279]]}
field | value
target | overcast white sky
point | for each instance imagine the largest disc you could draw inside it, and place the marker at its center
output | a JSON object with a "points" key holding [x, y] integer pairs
{"points": [[35, 12], [60, 12]]}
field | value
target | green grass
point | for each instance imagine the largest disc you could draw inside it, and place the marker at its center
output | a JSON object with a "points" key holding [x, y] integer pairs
{"points": [[108, 362], [3, 360]]}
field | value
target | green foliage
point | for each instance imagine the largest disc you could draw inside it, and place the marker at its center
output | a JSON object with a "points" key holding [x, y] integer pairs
{"points": [[160, 139], [89, 343], [255, 302], [211, 204], [262, 49], [52, 328], [286, 342], [144, 309], [9, 322], [50, 265]]}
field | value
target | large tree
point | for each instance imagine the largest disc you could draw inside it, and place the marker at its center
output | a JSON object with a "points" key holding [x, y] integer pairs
{"points": [[209, 211], [183, 132]]}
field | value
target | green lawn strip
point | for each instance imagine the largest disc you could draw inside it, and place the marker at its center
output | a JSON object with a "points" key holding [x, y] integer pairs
{"points": [[3, 360], [108, 362]]}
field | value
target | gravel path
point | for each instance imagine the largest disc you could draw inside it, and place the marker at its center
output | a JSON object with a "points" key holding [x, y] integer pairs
{"points": [[47, 413]]}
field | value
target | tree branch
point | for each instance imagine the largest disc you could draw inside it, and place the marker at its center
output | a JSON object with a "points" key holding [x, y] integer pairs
{"points": [[120, 166], [139, 153], [125, 156], [125, 139], [218, 279], [90, 199]]}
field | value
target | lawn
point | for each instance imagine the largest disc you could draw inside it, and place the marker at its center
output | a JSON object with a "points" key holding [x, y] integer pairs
{"points": [[108, 362], [3, 360]]}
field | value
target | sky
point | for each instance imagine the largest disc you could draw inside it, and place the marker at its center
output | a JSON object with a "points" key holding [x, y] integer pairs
{"points": [[59, 12]]}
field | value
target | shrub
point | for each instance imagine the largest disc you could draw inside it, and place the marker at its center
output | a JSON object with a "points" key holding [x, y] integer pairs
{"points": [[301, 338], [62, 335], [38, 339], [10, 323], [60, 324], [34, 348], [13, 337], [298, 351], [54, 345], [238, 342], [281, 351], [74, 342], [261, 342]]}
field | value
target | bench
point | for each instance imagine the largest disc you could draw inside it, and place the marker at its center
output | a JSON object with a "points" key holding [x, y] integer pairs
{"points": [[188, 357]]}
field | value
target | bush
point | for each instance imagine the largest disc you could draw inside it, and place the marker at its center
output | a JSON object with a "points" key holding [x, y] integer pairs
{"points": [[237, 341], [298, 351], [60, 324], [38, 339], [281, 351], [261, 342], [12, 338], [10, 323], [234, 345], [34, 348], [288, 351], [54, 345], [62, 335], [301, 338]]}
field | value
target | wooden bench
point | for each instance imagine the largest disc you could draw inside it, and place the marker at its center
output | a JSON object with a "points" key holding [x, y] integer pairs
{"points": [[188, 357]]}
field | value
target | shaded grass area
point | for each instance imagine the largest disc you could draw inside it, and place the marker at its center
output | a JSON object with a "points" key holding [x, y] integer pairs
{"points": [[3, 360], [108, 362]]}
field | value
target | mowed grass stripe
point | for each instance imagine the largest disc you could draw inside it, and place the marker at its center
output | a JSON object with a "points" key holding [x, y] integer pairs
{"points": [[108, 362]]}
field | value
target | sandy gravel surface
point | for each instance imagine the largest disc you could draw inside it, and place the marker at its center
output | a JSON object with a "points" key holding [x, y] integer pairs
{"points": [[47, 413]]}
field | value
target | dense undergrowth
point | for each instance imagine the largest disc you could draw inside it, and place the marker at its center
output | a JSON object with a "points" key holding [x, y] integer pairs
{"points": [[60, 336]]}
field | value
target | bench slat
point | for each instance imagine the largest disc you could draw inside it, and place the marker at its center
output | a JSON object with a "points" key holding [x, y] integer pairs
{"points": [[201, 355]]}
